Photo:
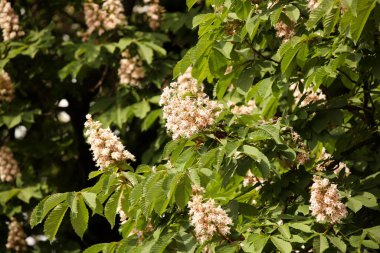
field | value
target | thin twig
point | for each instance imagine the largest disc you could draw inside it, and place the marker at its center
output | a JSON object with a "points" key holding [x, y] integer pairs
{"points": [[261, 55], [100, 82]]}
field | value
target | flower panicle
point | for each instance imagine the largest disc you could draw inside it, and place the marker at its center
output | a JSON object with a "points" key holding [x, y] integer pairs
{"points": [[106, 147]]}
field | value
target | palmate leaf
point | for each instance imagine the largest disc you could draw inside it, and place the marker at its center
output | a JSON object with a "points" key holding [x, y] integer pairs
{"points": [[316, 15], [281, 245], [45, 206], [110, 209], [79, 220], [53, 221], [364, 9], [162, 242], [258, 156], [320, 244]]}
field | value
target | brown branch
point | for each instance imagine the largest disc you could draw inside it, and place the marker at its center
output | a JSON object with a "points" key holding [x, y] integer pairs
{"points": [[260, 54], [101, 80], [347, 76]]}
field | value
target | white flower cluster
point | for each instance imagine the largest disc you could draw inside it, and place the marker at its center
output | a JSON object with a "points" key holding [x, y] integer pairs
{"points": [[16, 237], [313, 4], [207, 218], [9, 22], [131, 70], [7, 90], [250, 180], [325, 159], [325, 202], [243, 109], [105, 146], [154, 13], [309, 94], [100, 19], [284, 31], [9, 169], [186, 108]]}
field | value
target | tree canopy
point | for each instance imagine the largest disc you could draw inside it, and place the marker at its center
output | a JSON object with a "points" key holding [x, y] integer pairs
{"points": [[190, 126]]}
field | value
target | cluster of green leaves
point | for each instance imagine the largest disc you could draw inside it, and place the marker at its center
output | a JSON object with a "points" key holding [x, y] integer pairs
{"points": [[334, 47], [51, 63]]}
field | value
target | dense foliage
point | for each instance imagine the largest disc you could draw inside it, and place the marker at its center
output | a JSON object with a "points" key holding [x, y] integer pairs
{"points": [[249, 126]]}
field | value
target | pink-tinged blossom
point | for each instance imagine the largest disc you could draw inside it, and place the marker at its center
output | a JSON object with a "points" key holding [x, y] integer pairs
{"points": [[100, 19], [9, 169], [242, 109], [207, 217], [284, 31], [186, 108], [106, 147], [309, 96], [250, 180], [9, 22], [313, 4], [131, 70], [154, 13], [325, 203], [16, 237], [7, 90]]}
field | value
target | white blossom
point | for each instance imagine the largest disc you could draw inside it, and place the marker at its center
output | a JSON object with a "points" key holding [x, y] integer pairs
{"points": [[9, 169], [131, 70], [9, 22], [106, 147], [325, 202], [186, 108], [7, 90], [207, 217], [16, 237]]}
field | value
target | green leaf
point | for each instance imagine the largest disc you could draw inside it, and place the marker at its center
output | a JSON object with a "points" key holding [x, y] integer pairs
{"points": [[190, 3], [96, 248], [150, 119], [45, 206], [281, 245], [145, 52], [284, 230], [354, 205], [337, 242], [303, 227], [316, 15], [364, 9], [111, 207], [370, 244], [255, 243], [5, 196], [258, 156], [374, 233], [367, 199], [273, 131], [90, 199], [54, 220], [79, 220], [252, 26], [141, 109], [161, 244], [161, 51], [183, 192], [289, 56], [12, 120], [217, 62], [320, 244]]}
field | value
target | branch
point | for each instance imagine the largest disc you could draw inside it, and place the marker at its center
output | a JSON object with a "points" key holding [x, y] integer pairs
{"points": [[101, 80], [347, 76], [261, 55]]}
